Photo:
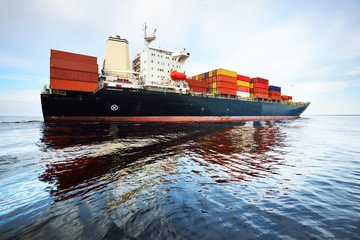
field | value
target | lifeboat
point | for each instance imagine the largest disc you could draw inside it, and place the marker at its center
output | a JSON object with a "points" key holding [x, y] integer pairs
{"points": [[176, 75]]}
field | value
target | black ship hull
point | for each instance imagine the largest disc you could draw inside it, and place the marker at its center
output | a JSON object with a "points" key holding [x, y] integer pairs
{"points": [[135, 105]]}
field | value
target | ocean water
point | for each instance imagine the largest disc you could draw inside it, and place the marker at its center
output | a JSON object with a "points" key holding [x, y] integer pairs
{"points": [[292, 179]]}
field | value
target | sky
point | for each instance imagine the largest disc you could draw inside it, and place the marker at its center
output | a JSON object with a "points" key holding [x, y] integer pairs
{"points": [[310, 48]]}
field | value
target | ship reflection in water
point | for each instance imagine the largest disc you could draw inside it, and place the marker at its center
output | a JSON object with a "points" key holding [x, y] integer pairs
{"points": [[164, 180]]}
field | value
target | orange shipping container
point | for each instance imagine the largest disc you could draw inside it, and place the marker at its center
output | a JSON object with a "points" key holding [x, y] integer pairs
{"points": [[223, 78], [260, 85], [198, 89], [211, 80], [275, 97], [260, 95], [242, 89], [259, 90], [285, 97], [226, 84], [196, 83], [227, 91], [72, 65], [73, 56], [274, 93], [73, 75], [72, 85]]}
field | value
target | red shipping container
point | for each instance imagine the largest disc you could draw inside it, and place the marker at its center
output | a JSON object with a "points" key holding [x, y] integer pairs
{"points": [[261, 95], [224, 78], [73, 56], [208, 80], [195, 83], [198, 89], [259, 80], [274, 93], [242, 89], [214, 73], [72, 65], [260, 85], [73, 75], [285, 97], [225, 85], [243, 78], [69, 85], [259, 90], [275, 97], [227, 91]]}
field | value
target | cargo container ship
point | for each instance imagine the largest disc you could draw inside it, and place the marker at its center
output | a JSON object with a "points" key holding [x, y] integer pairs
{"points": [[156, 89]]}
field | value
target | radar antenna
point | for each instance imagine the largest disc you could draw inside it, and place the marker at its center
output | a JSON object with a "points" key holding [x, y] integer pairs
{"points": [[148, 40]]}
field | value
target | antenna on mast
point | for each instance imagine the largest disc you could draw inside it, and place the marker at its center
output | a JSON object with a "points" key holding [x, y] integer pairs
{"points": [[147, 39]]}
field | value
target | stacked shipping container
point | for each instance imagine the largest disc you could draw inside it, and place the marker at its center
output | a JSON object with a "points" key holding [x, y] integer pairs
{"points": [[220, 81], [196, 86], [73, 72], [259, 88], [286, 98], [242, 86], [226, 82], [274, 93]]}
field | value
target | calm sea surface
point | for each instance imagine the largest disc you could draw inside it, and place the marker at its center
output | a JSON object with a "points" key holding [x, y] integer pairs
{"points": [[293, 179]]}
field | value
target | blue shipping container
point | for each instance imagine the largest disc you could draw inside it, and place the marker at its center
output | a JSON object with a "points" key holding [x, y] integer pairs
{"points": [[207, 75], [275, 88]]}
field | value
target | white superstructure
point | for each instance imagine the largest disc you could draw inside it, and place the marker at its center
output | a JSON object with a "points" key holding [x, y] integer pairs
{"points": [[154, 64], [151, 68]]}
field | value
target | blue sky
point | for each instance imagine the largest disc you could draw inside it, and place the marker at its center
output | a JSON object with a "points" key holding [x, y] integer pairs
{"points": [[309, 48]]}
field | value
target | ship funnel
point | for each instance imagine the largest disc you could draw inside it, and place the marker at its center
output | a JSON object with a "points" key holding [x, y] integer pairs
{"points": [[116, 60]]}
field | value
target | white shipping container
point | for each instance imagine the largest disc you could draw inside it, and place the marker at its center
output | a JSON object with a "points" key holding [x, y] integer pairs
{"points": [[242, 94]]}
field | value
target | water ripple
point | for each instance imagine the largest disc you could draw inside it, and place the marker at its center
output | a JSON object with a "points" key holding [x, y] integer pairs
{"points": [[270, 180]]}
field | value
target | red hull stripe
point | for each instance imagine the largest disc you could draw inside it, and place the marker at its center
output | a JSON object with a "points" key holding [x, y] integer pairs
{"points": [[169, 118]]}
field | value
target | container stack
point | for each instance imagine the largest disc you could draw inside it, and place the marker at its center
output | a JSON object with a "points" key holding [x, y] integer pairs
{"points": [[242, 86], [259, 88], [220, 81], [225, 82], [73, 72], [286, 98], [197, 86], [274, 93]]}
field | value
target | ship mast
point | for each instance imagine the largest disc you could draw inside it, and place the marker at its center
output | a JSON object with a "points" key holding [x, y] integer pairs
{"points": [[147, 39]]}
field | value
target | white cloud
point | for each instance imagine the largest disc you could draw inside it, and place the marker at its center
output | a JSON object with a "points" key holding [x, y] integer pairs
{"points": [[353, 72]]}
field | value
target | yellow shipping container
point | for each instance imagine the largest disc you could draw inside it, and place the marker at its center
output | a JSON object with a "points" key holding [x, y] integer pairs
{"points": [[251, 85], [242, 83], [210, 74], [197, 77], [225, 72], [214, 85]]}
